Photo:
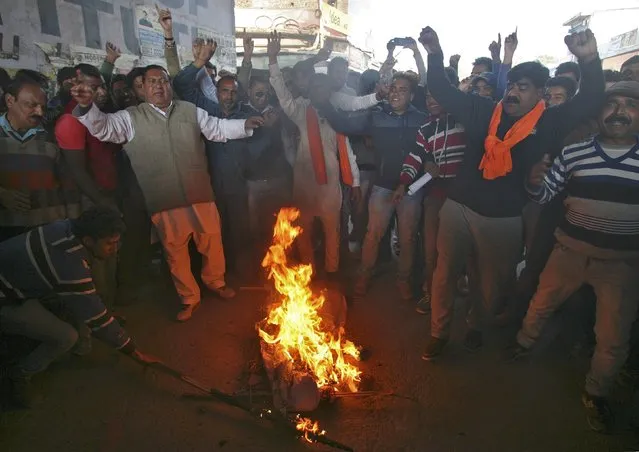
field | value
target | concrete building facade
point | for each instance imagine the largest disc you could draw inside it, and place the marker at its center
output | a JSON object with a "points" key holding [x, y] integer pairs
{"points": [[304, 26], [616, 31], [41, 34]]}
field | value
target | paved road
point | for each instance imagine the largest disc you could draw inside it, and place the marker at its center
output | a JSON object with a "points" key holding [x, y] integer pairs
{"points": [[462, 403]]}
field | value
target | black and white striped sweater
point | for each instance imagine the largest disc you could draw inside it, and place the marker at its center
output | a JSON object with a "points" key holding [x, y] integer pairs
{"points": [[602, 184]]}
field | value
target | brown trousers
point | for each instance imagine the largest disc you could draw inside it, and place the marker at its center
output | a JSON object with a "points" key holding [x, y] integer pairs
{"points": [[616, 286], [494, 246]]}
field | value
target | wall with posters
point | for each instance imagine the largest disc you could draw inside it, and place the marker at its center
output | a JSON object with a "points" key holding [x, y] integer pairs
{"points": [[45, 34]]}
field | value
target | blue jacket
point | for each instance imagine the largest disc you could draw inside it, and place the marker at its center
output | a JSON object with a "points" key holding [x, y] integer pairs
{"points": [[393, 135], [51, 260]]}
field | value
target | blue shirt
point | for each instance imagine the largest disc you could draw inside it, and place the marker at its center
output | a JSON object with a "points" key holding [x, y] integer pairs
{"points": [[4, 123]]}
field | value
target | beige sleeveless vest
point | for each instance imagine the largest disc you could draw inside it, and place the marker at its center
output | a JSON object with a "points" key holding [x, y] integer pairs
{"points": [[167, 156]]}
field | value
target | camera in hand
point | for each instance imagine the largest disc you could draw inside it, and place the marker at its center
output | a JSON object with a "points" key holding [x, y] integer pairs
{"points": [[402, 42]]}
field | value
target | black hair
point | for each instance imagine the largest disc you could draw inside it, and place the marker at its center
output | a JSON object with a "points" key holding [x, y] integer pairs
{"points": [[612, 76], [304, 67], [38, 77], [569, 67], [484, 61], [152, 67], [337, 61], [65, 73], [224, 78], [88, 70], [453, 78], [258, 79], [410, 78], [368, 81], [133, 74], [320, 77], [563, 82], [5, 79], [534, 70], [18, 82], [631, 60], [118, 78], [210, 65], [98, 222]]}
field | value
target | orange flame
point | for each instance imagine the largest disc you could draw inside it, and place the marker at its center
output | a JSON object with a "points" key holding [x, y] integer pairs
{"points": [[308, 428], [294, 324]]}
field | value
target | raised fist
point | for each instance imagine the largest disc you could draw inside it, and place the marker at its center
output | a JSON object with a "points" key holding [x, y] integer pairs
{"points": [[583, 45], [112, 52], [430, 40]]}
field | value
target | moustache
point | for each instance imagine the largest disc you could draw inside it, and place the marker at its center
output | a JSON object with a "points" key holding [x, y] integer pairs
{"points": [[511, 100], [36, 118], [617, 118]]}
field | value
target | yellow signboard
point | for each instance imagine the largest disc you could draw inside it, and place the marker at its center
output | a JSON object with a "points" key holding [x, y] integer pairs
{"points": [[334, 19]]}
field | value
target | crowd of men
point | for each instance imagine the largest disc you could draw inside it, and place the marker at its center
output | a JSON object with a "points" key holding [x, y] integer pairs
{"points": [[524, 166]]}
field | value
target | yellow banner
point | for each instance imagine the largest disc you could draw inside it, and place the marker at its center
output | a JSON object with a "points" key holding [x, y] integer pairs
{"points": [[334, 19]]}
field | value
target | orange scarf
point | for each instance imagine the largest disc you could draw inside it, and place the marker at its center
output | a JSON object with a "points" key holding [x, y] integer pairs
{"points": [[497, 161], [317, 151]]}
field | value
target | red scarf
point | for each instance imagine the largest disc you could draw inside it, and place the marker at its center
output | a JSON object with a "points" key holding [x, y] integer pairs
{"points": [[317, 151], [497, 161]]}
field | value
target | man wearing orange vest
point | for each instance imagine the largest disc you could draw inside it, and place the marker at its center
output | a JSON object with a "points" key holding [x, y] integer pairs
{"points": [[482, 214], [323, 156]]}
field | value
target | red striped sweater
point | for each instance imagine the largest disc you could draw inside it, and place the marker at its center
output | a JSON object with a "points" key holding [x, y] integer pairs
{"points": [[441, 140]]}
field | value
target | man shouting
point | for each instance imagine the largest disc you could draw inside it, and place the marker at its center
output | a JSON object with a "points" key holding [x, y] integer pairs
{"points": [[483, 212], [163, 139]]}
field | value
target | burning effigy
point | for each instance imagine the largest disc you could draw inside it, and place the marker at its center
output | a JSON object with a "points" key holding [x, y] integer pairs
{"points": [[303, 343]]}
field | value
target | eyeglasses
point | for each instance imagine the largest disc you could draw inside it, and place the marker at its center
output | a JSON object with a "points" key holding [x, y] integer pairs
{"points": [[260, 95], [156, 81]]}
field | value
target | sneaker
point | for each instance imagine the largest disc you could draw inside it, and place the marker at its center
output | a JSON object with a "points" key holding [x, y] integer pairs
{"points": [[361, 287], [186, 312], [598, 412], [22, 395], [405, 290], [224, 292], [515, 352], [473, 341], [434, 348], [423, 305]]}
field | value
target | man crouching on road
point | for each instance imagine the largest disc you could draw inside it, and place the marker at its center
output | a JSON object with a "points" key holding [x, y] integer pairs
{"points": [[47, 266]]}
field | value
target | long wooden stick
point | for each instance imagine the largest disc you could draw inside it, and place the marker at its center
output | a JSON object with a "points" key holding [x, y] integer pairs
{"points": [[270, 415]]}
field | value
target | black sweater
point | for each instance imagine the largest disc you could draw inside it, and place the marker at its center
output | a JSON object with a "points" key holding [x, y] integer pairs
{"points": [[506, 196]]}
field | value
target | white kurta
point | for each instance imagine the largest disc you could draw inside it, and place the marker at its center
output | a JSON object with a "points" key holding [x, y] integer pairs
{"points": [[313, 199], [176, 227], [307, 193]]}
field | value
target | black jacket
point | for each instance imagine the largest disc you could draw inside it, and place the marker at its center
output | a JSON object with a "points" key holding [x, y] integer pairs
{"points": [[506, 196]]}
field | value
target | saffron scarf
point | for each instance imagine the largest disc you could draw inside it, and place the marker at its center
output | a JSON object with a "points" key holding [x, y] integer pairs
{"points": [[497, 161], [317, 151]]}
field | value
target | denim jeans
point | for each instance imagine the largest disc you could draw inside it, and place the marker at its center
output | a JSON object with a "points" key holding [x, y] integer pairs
{"points": [[380, 213], [31, 319], [360, 219]]}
